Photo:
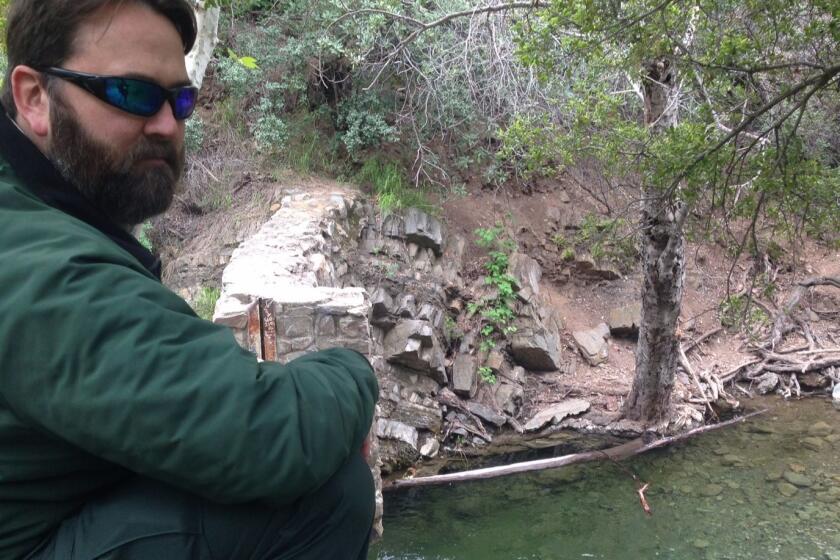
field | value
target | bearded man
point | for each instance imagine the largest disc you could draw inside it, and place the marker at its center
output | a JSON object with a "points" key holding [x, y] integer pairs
{"points": [[129, 427]]}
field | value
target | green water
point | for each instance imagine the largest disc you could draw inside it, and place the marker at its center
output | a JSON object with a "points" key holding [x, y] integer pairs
{"points": [[723, 495]]}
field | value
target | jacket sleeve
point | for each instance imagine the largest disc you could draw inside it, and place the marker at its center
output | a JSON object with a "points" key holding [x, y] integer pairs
{"points": [[108, 359]]}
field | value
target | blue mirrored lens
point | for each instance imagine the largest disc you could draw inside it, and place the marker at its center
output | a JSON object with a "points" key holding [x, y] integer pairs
{"points": [[184, 104], [134, 96]]}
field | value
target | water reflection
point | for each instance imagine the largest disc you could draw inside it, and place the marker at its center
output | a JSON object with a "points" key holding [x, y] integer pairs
{"points": [[768, 489]]}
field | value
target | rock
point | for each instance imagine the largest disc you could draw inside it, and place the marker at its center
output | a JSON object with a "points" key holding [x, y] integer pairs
{"points": [[430, 448], [432, 314], [798, 479], [625, 321], [711, 490], [820, 429], [701, 544], [393, 226], [556, 413], [835, 395], [564, 197], [486, 413], [535, 348], [786, 489], [495, 361], [407, 307], [767, 383], [510, 397], [465, 376], [516, 375], [814, 443], [423, 229], [418, 416], [813, 381], [381, 303], [413, 344], [527, 272], [391, 429], [774, 474], [592, 345]]}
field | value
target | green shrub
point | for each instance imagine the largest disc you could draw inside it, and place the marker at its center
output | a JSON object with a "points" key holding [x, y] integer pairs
{"points": [[205, 302], [362, 122], [487, 375], [238, 79], [194, 134]]}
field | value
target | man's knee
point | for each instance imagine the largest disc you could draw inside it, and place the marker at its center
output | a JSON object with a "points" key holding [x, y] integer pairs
{"points": [[348, 495]]}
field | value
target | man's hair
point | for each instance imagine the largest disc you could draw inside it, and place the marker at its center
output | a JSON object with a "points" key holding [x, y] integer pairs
{"points": [[41, 33]]}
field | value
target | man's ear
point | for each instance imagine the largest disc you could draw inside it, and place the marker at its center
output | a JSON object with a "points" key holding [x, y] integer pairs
{"points": [[31, 100]]}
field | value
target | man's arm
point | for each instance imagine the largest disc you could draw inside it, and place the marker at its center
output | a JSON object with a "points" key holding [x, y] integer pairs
{"points": [[113, 362]]}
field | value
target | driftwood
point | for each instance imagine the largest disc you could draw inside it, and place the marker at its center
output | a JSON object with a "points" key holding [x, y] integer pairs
{"points": [[618, 453]]}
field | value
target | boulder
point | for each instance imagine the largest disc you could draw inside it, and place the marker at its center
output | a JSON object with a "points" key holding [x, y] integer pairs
{"points": [[392, 429], [813, 381], [430, 448], [418, 416], [495, 361], [510, 397], [381, 303], [592, 345], [423, 229], [465, 375], [534, 347], [527, 272], [625, 321], [486, 413], [766, 383], [412, 343], [407, 307], [555, 414], [835, 395], [516, 375]]}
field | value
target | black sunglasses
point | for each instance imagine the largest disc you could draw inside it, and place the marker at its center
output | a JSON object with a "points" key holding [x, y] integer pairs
{"points": [[138, 97]]}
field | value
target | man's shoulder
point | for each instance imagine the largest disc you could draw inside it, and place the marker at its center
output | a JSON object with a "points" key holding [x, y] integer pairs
{"points": [[34, 231]]}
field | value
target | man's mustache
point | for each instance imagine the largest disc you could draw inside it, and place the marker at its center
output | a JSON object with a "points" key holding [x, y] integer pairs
{"points": [[156, 149]]}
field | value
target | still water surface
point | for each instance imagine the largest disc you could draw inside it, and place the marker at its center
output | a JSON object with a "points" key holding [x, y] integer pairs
{"points": [[766, 489]]}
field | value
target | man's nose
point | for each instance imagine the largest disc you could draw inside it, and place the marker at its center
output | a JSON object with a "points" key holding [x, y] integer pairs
{"points": [[163, 123]]}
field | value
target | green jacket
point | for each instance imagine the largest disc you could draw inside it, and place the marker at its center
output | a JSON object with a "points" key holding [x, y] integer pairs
{"points": [[104, 372]]}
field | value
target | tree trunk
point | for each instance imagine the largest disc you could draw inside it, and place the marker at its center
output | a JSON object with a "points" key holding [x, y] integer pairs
{"points": [[208, 29], [663, 266]]}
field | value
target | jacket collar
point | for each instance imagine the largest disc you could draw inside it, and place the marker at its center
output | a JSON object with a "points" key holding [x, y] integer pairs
{"points": [[40, 176]]}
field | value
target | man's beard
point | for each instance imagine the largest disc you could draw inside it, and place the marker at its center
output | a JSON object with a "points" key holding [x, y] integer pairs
{"points": [[114, 183]]}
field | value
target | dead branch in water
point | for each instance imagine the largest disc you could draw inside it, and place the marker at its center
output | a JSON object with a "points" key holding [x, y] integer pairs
{"points": [[618, 453]]}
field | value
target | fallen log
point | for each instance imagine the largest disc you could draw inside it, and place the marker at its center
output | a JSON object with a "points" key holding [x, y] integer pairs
{"points": [[618, 453]]}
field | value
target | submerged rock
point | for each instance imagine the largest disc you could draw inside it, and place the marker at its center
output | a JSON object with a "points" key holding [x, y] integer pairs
{"points": [[786, 489], [798, 479]]}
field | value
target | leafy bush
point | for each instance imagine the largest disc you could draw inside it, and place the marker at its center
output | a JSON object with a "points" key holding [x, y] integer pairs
{"points": [[237, 78], [496, 311], [362, 120], [194, 134], [270, 132]]}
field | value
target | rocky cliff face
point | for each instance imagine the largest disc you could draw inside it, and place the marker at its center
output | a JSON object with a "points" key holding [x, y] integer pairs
{"points": [[326, 270]]}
